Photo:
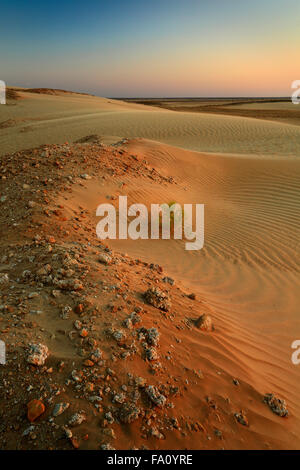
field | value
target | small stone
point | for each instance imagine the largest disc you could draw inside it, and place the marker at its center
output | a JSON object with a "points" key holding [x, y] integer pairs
{"points": [[241, 418], [158, 299], [35, 408], [4, 279], [59, 408], [151, 354], [105, 259], [192, 296], [33, 295], [79, 309], [155, 433], [155, 396], [38, 354], [205, 323], [128, 413], [169, 280], [277, 405], [77, 419], [119, 398]]}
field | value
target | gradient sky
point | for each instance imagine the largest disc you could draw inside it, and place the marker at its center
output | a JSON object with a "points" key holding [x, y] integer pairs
{"points": [[130, 48]]}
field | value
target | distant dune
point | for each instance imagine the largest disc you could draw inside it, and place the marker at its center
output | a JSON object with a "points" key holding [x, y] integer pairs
{"points": [[49, 118]]}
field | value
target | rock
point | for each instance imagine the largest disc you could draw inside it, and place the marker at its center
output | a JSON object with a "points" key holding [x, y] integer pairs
{"points": [[65, 314], [35, 408], [192, 296], [151, 354], [105, 258], [128, 413], [4, 279], [68, 432], [155, 433], [69, 284], [79, 308], [140, 382], [155, 396], [119, 398], [106, 446], [59, 408], [152, 336], [118, 335], [169, 280], [44, 270], [277, 405], [109, 432], [241, 418], [159, 299], [85, 176], [109, 417], [205, 323], [28, 430], [77, 419], [33, 295], [75, 442], [38, 354]]}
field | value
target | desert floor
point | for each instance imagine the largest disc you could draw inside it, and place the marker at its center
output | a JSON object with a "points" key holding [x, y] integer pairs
{"points": [[246, 278]]}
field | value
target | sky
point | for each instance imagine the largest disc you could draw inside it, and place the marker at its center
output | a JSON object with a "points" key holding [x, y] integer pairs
{"points": [[153, 48]]}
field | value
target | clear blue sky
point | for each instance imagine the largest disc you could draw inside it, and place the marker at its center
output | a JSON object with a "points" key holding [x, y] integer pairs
{"points": [[152, 48]]}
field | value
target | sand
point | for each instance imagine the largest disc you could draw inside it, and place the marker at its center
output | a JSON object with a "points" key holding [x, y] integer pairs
{"points": [[39, 119], [246, 172]]}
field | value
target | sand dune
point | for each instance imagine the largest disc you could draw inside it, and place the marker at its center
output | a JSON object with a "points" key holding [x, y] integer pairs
{"points": [[246, 172], [248, 271], [39, 119]]}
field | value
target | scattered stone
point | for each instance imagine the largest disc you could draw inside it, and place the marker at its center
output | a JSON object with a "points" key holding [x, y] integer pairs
{"points": [[38, 354], [159, 299], [35, 408], [118, 335], [151, 354], [33, 295], [277, 405], [205, 323], [29, 430], [105, 258], [169, 280], [192, 296], [4, 278], [66, 311], [155, 433], [77, 419], [59, 409], [155, 396], [128, 413], [119, 398], [241, 418], [106, 446]]}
